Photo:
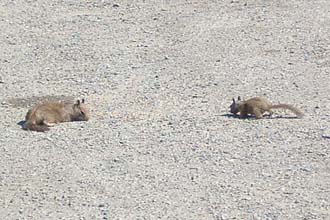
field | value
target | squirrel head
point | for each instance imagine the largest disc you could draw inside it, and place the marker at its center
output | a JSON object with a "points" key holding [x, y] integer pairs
{"points": [[234, 106], [80, 111]]}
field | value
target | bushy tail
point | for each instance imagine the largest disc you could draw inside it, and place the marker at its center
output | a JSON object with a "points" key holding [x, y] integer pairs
{"points": [[289, 107], [35, 127]]}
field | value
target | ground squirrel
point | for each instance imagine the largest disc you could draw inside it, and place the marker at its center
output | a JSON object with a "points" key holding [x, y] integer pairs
{"points": [[257, 106], [45, 115]]}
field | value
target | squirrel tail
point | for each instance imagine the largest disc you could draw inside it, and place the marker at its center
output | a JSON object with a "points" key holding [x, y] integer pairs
{"points": [[35, 127], [296, 111]]}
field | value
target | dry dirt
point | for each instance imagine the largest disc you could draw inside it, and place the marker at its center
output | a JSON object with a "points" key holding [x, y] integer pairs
{"points": [[159, 77]]}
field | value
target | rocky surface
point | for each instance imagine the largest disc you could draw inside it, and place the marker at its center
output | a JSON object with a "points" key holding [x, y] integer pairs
{"points": [[159, 77]]}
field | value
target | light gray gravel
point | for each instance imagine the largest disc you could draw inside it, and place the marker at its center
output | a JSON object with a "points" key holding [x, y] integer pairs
{"points": [[159, 76]]}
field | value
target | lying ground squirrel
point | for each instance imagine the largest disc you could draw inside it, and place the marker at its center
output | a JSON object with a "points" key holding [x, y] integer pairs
{"points": [[45, 115], [257, 106]]}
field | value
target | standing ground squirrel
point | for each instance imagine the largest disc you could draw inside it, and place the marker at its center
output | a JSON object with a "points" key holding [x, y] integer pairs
{"points": [[257, 106], [45, 115]]}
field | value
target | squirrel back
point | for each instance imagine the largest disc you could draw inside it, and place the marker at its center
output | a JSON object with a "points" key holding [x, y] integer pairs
{"points": [[40, 117]]}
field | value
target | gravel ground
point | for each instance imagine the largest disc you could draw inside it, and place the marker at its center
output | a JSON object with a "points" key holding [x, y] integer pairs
{"points": [[159, 77]]}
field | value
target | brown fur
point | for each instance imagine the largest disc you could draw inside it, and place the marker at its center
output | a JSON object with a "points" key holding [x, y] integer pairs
{"points": [[47, 114], [257, 106]]}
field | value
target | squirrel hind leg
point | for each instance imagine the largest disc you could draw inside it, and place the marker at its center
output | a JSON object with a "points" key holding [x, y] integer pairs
{"points": [[270, 113], [257, 113]]}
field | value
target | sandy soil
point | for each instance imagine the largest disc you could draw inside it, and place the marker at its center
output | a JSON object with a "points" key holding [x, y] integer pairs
{"points": [[159, 77]]}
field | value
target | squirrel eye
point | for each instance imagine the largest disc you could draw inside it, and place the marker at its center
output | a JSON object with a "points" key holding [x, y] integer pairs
{"points": [[81, 112]]}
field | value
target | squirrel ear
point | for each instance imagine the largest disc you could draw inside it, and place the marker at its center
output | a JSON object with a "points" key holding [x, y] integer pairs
{"points": [[233, 100], [239, 98], [78, 102], [83, 100]]}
